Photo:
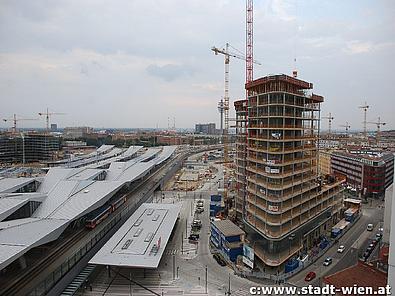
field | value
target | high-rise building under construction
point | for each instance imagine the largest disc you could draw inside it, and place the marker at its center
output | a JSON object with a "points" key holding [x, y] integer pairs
{"points": [[286, 207]]}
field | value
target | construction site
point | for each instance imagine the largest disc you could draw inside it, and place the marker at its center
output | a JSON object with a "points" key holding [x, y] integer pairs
{"points": [[262, 199]]}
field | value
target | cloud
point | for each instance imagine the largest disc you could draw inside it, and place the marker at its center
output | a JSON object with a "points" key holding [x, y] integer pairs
{"points": [[118, 58], [170, 72], [358, 46]]}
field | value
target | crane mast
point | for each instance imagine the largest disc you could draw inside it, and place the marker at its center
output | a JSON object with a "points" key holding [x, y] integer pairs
{"points": [[249, 78], [224, 105], [330, 118], [47, 115], [378, 123], [14, 119], [226, 112], [249, 42], [365, 109], [347, 126]]}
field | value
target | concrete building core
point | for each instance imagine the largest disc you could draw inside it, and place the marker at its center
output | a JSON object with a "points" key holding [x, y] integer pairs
{"points": [[285, 206]]}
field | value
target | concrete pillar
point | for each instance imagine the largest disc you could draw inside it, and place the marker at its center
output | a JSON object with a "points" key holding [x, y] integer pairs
{"points": [[387, 213], [22, 262], [391, 260]]}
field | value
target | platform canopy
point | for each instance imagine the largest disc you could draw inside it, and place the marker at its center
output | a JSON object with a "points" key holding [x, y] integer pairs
{"points": [[141, 241]]}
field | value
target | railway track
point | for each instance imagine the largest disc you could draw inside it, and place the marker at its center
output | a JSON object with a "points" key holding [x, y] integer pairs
{"points": [[17, 285]]}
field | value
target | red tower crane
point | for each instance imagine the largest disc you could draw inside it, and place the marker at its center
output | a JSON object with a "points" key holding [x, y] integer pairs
{"points": [[249, 42]]}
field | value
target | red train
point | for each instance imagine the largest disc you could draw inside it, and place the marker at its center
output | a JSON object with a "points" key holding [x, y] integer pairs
{"points": [[104, 212]]}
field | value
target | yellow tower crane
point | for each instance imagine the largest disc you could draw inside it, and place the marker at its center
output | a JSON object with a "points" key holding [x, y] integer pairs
{"points": [[330, 118], [14, 119], [47, 115], [225, 107], [378, 123], [347, 126]]}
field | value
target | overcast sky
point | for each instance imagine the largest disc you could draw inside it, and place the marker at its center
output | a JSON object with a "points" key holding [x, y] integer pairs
{"points": [[130, 63]]}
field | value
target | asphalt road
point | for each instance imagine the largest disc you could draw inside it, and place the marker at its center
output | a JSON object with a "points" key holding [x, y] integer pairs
{"points": [[192, 270], [355, 242]]}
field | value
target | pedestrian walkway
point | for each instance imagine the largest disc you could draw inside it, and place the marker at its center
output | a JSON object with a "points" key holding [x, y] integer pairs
{"points": [[171, 252], [118, 283]]}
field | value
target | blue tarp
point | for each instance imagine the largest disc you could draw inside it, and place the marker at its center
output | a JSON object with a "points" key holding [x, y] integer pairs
{"points": [[291, 265]]}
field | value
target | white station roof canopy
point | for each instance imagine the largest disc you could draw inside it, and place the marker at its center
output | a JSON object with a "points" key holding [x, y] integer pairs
{"points": [[13, 184], [140, 242], [65, 195]]}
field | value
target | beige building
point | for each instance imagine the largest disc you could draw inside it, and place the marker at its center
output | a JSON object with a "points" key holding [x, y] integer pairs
{"points": [[324, 163]]}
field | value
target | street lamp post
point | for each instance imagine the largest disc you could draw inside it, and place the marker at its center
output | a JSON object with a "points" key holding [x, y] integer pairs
{"points": [[229, 292], [182, 243], [174, 267], [206, 278]]}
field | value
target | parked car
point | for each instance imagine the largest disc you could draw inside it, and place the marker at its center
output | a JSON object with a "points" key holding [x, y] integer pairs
{"points": [[341, 249], [199, 210], [379, 235], [193, 237], [219, 259], [310, 276], [200, 203], [366, 255], [197, 223], [369, 249], [369, 227], [374, 242], [328, 261]]}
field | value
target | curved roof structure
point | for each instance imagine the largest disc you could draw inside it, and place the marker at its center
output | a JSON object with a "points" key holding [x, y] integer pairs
{"points": [[67, 194]]}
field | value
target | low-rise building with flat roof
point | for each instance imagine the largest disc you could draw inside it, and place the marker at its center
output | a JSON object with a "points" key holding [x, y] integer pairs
{"points": [[228, 238]]}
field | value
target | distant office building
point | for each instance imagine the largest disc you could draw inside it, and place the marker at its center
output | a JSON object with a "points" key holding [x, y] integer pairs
{"points": [[370, 171], [328, 144], [31, 147], [54, 127], [205, 128], [74, 144], [77, 132]]}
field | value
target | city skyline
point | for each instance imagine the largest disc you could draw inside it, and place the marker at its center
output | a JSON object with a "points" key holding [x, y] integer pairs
{"points": [[131, 64]]}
